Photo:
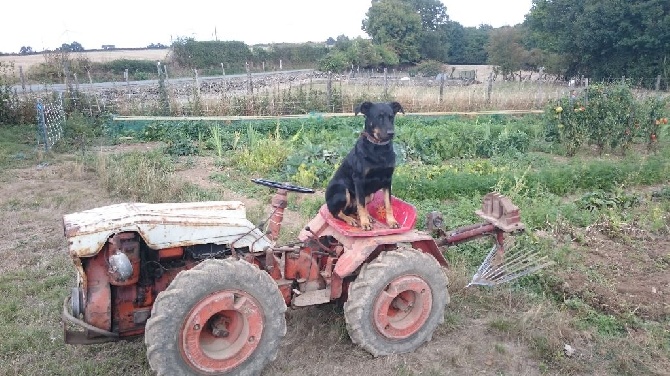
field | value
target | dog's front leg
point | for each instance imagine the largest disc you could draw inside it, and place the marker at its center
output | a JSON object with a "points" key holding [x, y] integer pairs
{"points": [[363, 215], [390, 219]]}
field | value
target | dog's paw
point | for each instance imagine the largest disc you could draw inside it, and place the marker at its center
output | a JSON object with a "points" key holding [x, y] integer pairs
{"points": [[352, 222], [392, 223], [366, 223]]}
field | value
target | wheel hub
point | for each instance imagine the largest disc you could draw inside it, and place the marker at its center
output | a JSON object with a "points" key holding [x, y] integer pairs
{"points": [[221, 331], [403, 307]]}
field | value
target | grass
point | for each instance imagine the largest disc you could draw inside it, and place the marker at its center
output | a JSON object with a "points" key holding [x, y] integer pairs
{"points": [[512, 329], [18, 146]]}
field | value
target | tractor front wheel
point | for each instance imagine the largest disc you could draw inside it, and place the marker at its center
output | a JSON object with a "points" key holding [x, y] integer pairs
{"points": [[221, 317], [396, 302]]}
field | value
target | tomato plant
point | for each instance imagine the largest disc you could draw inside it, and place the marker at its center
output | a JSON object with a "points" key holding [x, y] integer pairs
{"points": [[607, 116]]}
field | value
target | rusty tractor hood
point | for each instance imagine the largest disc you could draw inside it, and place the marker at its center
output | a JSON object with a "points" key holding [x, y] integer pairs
{"points": [[164, 226]]}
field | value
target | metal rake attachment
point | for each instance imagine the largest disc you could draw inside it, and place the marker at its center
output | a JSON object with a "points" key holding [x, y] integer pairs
{"points": [[506, 263]]}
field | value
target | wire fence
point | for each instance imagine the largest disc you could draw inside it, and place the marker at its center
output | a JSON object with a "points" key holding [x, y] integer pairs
{"points": [[50, 122], [277, 94]]}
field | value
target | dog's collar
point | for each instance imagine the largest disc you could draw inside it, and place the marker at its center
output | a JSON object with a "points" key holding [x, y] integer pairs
{"points": [[374, 140]]}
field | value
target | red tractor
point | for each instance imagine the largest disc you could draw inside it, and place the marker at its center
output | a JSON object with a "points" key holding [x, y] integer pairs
{"points": [[208, 289]]}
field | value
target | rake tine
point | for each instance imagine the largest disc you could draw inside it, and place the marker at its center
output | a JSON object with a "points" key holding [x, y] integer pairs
{"points": [[517, 260], [515, 264], [517, 271]]}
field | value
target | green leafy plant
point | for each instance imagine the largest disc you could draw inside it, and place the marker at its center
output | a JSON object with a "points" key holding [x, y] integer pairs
{"points": [[598, 200]]}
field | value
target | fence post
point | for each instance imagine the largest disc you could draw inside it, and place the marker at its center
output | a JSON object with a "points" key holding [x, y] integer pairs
{"points": [[42, 123], [540, 87], [250, 87], [441, 86], [329, 89], [489, 88], [125, 76], [386, 83], [23, 79], [658, 82], [165, 71], [197, 83], [223, 71], [90, 81]]}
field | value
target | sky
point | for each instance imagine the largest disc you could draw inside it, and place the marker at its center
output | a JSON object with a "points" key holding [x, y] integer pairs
{"points": [[47, 24]]}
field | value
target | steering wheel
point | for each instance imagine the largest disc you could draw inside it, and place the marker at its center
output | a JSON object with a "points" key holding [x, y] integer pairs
{"points": [[287, 186]]}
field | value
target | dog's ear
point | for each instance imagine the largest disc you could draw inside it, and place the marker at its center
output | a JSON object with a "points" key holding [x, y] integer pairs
{"points": [[396, 107], [362, 108]]}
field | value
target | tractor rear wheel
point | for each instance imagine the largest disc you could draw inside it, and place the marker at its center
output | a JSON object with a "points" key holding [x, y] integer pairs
{"points": [[221, 317], [396, 302]]}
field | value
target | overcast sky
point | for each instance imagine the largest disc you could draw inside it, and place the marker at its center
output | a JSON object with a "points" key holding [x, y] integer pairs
{"points": [[47, 24]]}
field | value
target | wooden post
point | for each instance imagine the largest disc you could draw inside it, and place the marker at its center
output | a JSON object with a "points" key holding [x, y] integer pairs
{"points": [[441, 86], [165, 71], [90, 81], [263, 66], [386, 83], [250, 87], [223, 71], [658, 82], [540, 87], [66, 73], [125, 77], [329, 89], [281, 66], [197, 82], [489, 88], [23, 78], [158, 67]]}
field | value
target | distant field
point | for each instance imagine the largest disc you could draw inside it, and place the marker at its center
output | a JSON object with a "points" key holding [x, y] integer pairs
{"points": [[28, 61]]}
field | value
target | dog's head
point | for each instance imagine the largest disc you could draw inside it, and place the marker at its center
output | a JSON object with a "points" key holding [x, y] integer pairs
{"points": [[379, 119]]}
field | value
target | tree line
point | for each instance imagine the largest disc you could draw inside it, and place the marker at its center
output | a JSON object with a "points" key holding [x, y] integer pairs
{"points": [[599, 39]]}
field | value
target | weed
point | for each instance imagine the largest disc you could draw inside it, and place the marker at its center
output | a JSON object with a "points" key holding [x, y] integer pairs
{"points": [[139, 176], [215, 137]]}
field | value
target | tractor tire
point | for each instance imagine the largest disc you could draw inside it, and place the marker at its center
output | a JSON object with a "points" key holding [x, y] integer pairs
{"points": [[223, 317], [396, 302]]}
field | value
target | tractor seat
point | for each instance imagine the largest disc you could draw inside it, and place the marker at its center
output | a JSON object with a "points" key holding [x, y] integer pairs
{"points": [[403, 212]]}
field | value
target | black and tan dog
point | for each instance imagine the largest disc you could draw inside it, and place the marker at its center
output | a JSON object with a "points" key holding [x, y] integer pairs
{"points": [[366, 169]]}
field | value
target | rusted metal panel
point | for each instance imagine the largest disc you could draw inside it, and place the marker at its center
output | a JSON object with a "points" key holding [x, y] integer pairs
{"points": [[352, 258], [164, 226], [500, 211], [358, 249]]}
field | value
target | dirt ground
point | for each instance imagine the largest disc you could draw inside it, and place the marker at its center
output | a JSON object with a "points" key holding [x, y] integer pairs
{"points": [[624, 273]]}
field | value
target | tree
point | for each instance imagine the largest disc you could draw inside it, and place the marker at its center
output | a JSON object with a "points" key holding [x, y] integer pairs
{"points": [[76, 47], [342, 42], [26, 50], [429, 40], [505, 50], [603, 38], [433, 13], [397, 26], [475, 39], [359, 52], [335, 61], [456, 50]]}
